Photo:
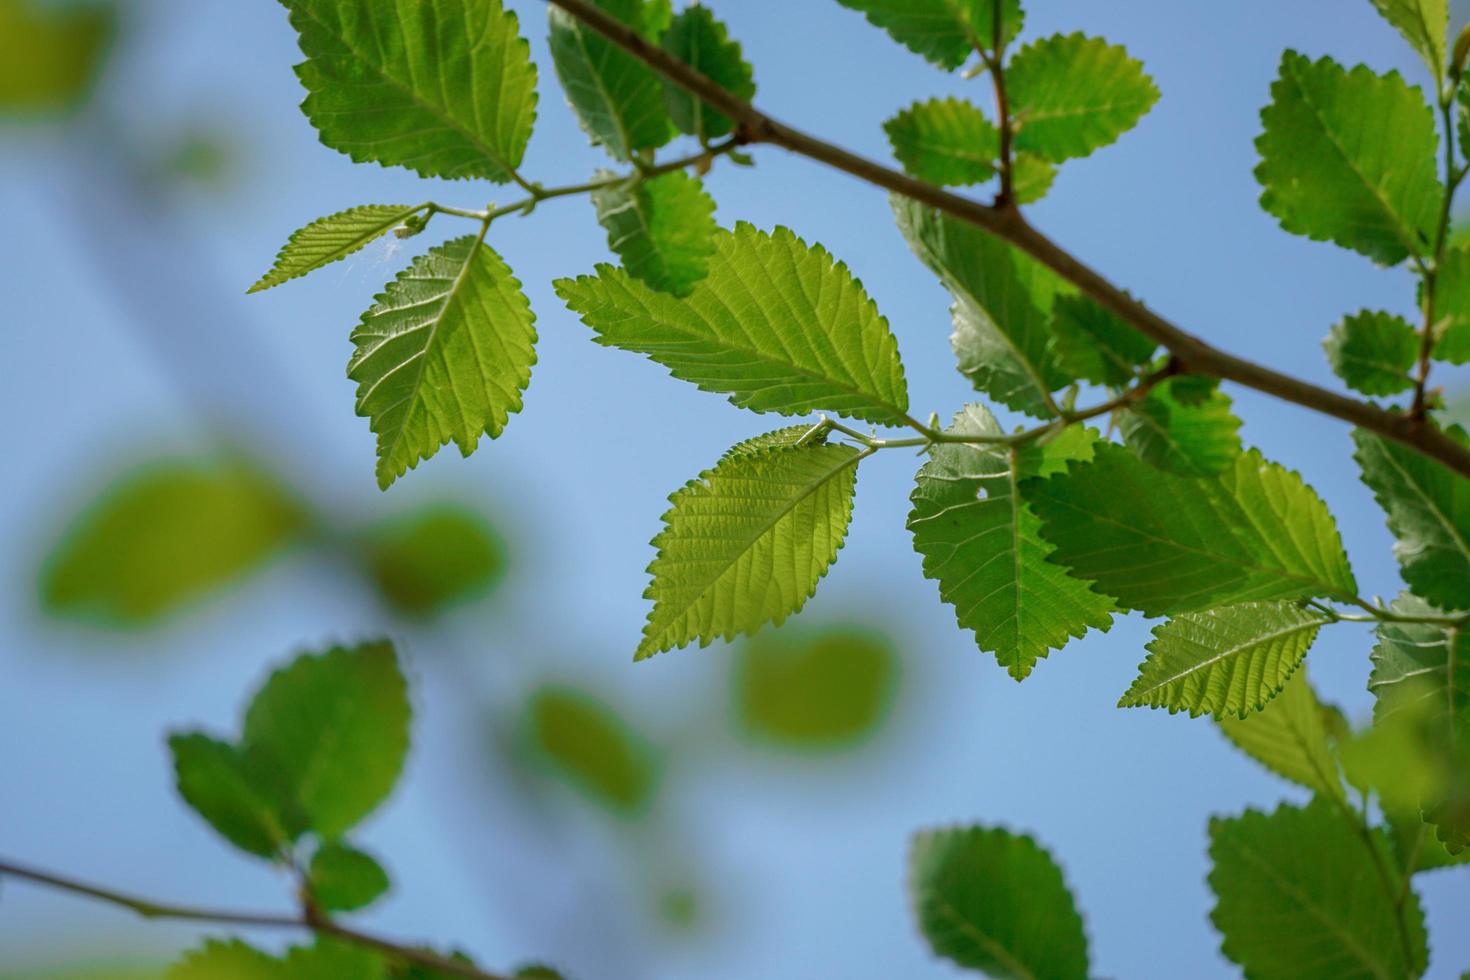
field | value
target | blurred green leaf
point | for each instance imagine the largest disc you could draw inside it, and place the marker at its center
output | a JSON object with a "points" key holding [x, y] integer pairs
{"points": [[241, 792], [49, 55], [679, 907], [164, 535], [227, 960], [344, 878], [806, 689], [431, 558], [537, 971], [592, 748], [1290, 737]]}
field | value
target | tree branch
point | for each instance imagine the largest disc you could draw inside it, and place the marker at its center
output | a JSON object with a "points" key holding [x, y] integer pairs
{"points": [[1195, 354]]}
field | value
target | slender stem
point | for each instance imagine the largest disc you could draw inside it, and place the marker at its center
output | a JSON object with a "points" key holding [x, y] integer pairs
{"points": [[1452, 180], [313, 922], [996, 61], [1195, 354]]}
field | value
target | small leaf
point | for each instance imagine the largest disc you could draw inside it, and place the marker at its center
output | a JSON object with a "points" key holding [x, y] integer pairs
{"points": [[593, 748], [1424, 24], [344, 879], [1228, 661], [1031, 177], [228, 959], [700, 40], [1071, 94], [1289, 736], [1373, 352], [1199, 439], [945, 141], [996, 902], [820, 690], [663, 229], [945, 32], [1094, 345], [337, 723], [443, 354], [240, 792], [1348, 157], [334, 237], [1452, 302], [335, 959], [49, 55], [430, 559]]}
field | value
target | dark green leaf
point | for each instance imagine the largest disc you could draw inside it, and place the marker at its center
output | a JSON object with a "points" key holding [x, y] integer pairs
{"points": [[1373, 352], [427, 560], [593, 748], [814, 690], [1452, 303], [697, 38], [1071, 94], [945, 141], [241, 792], [945, 32], [1198, 439], [663, 229], [344, 879], [1094, 345]]}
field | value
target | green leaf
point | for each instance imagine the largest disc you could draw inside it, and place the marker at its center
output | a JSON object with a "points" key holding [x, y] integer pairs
{"points": [[778, 325], [1289, 736], [1348, 157], [1031, 177], [745, 543], [1298, 897], [663, 229], [333, 959], [1002, 309], [1071, 94], [593, 748], [163, 536], [444, 353], [1452, 304], [334, 237], [1373, 352], [49, 55], [996, 902], [1414, 841], [1424, 24], [337, 724], [430, 559], [344, 879], [814, 690], [1167, 545], [945, 32], [1192, 439], [945, 141], [1428, 509], [387, 83], [228, 959], [981, 543], [1092, 344], [1228, 661], [619, 100], [240, 792], [700, 40]]}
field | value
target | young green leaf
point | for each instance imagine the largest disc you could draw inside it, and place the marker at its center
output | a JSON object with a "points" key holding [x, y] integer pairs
{"points": [[334, 237], [1031, 177], [239, 791], [1424, 24], [386, 82], [822, 690], [228, 959], [1428, 509], [996, 902], [778, 325], [700, 40], [443, 354], [1373, 352], [1289, 736], [1299, 897], [745, 543], [337, 725], [1228, 661], [1002, 310], [663, 229], [945, 32], [1452, 304], [945, 141], [619, 100], [1094, 345], [429, 559], [592, 747], [1349, 157], [1072, 94], [1191, 439], [344, 879], [1167, 545], [981, 543]]}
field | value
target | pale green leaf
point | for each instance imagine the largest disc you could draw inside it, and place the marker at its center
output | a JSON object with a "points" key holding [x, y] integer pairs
{"points": [[1227, 661], [443, 87], [344, 879], [1424, 24], [1197, 438], [804, 690], [592, 747], [444, 353], [700, 40], [1031, 177], [746, 542], [429, 559], [49, 53], [981, 543], [778, 325], [334, 237], [1349, 157], [1071, 94], [240, 792], [1290, 737], [1299, 897], [1452, 305], [663, 229], [1094, 345], [337, 724], [945, 141], [945, 32], [996, 902], [1167, 545], [228, 959], [1372, 352]]}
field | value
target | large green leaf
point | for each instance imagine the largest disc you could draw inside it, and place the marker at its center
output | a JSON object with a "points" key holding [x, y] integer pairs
{"points": [[981, 543], [700, 40], [49, 54], [239, 791], [1228, 661], [663, 229], [945, 32], [334, 237], [443, 354], [1289, 736], [337, 725], [592, 747], [1424, 24], [618, 99], [1298, 897], [745, 543], [1191, 438], [1002, 309], [443, 87], [996, 902], [778, 325], [1372, 352], [1166, 544], [429, 559], [1349, 157], [1092, 344], [1072, 94], [945, 141], [1428, 509], [344, 879]]}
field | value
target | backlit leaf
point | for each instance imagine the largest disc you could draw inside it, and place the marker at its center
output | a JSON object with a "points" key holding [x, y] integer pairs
{"points": [[946, 32], [1071, 94], [1423, 23], [1372, 352], [663, 229], [1198, 439], [1290, 737], [334, 237], [1094, 345], [945, 141]]}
